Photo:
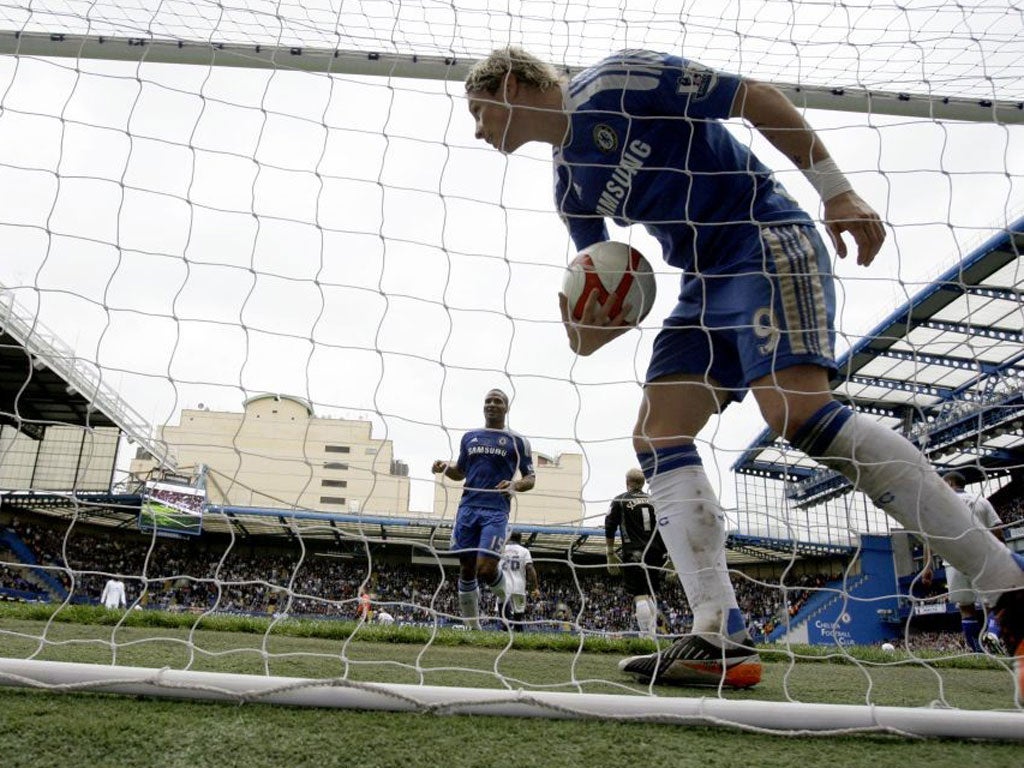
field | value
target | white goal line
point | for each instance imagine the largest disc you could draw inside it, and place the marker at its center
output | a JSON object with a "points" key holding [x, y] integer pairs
{"points": [[434, 67]]}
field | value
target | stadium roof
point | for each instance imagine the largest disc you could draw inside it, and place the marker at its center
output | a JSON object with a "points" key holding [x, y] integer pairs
{"points": [[44, 383], [32, 394], [946, 368]]}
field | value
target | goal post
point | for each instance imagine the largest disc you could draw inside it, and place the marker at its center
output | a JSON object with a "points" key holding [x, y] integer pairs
{"points": [[844, 98], [340, 273], [791, 718]]}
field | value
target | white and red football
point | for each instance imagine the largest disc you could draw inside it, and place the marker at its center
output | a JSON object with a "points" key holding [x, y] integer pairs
{"points": [[610, 268]]}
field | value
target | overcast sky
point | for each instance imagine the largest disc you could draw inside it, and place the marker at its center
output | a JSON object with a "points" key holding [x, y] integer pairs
{"points": [[206, 234]]}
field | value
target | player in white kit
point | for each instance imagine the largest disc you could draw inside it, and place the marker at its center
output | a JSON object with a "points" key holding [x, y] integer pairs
{"points": [[113, 596], [517, 565], [962, 591]]}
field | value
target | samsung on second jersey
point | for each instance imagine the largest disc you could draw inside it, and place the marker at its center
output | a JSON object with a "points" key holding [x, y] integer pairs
{"points": [[647, 146], [488, 456]]}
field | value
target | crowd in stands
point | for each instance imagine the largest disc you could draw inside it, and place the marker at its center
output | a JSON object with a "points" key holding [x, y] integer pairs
{"points": [[211, 574], [1012, 511], [199, 575], [12, 581]]}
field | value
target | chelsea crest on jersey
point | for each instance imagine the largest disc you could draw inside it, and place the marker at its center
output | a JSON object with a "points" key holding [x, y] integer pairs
{"points": [[647, 146], [488, 456]]}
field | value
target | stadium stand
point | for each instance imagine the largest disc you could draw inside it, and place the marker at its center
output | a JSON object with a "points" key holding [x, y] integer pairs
{"points": [[261, 577], [911, 371]]}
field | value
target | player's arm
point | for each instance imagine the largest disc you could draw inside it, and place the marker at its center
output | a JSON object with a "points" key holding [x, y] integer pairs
{"points": [[995, 522], [524, 465], [532, 580], [775, 117], [522, 485], [611, 524], [448, 469]]}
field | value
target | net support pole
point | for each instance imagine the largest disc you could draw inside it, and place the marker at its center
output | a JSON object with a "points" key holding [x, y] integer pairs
{"points": [[791, 718]]}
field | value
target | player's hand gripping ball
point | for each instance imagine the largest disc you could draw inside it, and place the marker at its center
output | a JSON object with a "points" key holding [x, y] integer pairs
{"points": [[610, 269]]}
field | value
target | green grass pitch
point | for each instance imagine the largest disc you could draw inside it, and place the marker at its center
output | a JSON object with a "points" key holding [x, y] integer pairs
{"points": [[84, 729]]}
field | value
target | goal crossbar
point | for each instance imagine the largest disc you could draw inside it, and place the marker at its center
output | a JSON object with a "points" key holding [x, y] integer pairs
{"points": [[434, 67], [793, 718]]}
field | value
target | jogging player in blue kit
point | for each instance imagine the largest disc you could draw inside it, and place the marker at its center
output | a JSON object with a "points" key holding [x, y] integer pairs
{"points": [[639, 138], [489, 459]]}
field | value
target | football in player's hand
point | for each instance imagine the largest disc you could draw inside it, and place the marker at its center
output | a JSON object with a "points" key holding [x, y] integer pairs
{"points": [[611, 269]]}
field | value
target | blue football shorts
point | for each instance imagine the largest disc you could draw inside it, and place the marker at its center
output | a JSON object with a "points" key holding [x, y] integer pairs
{"points": [[480, 528], [770, 307]]}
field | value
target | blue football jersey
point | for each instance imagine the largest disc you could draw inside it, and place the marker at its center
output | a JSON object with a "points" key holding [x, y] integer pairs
{"points": [[647, 146], [488, 456]]}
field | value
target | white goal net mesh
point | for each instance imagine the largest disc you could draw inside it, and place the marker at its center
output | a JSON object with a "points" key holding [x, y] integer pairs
{"points": [[256, 275]]}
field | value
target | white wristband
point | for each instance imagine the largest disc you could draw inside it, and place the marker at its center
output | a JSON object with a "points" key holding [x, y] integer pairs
{"points": [[827, 179]]}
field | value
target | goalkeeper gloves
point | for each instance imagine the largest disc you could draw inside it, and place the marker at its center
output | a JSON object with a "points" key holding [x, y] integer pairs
{"points": [[614, 561]]}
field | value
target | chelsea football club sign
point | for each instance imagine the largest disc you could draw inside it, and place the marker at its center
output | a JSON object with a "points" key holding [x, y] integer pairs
{"points": [[605, 138]]}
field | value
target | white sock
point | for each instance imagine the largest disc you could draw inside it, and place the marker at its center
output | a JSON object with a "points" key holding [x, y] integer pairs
{"points": [[646, 615], [498, 587], [692, 527], [898, 478], [469, 607]]}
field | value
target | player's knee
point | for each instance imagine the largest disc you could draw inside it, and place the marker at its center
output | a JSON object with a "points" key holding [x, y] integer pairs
{"points": [[778, 415], [786, 416], [777, 421], [486, 569], [672, 416], [790, 397], [651, 434]]}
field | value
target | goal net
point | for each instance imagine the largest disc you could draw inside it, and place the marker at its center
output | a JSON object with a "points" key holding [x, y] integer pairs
{"points": [[257, 274]]}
